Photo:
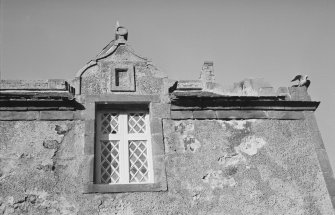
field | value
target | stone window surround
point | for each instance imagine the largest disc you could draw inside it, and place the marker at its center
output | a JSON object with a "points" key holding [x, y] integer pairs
{"points": [[160, 182]]}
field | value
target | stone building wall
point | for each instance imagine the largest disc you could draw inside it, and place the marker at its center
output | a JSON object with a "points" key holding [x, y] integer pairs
{"points": [[249, 149], [213, 167]]}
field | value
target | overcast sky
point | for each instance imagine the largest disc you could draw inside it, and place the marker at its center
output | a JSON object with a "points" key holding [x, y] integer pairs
{"points": [[273, 39]]}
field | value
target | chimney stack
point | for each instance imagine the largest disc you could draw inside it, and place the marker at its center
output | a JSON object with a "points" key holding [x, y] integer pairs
{"points": [[207, 72]]}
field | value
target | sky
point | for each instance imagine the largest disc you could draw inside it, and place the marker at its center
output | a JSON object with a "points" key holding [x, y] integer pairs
{"points": [[272, 39]]}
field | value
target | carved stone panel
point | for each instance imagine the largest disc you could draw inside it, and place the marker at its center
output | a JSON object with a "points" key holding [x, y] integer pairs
{"points": [[123, 79]]}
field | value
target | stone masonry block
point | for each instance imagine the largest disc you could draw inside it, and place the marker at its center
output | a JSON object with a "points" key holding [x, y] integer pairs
{"points": [[257, 114], [89, 126], [156, 126], [14, 108], [18, 115], [310, 116], [160, 110], [159, 169], [88, 168], [317, 140], [212, 85], [54, 84], [56, 115], [157, 144], [181, 114], [228, 114], [299, 94], [332, 198], [330, 183], [89, 144], [324, 161], [23, 84], [312, 124], [122, 98], [42, 108], [121, 188], [241, 114], [89, 112], [189, 85], [58, 84], [204, 114], [78, 115], [283, 91], [285, 115]]}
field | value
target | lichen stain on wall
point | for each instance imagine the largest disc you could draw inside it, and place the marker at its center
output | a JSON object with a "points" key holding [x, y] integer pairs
{"points": [[216, 180], [187, 141], [236, 167], [250, 145]]}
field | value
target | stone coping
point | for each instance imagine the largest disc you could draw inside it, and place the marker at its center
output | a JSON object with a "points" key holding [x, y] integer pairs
{"points": [[36, 85], [30, 115], [241, 103], [14, 90], [236, 114], [245, 88]]}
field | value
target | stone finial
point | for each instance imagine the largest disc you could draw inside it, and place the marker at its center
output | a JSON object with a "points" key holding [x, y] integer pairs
{"points": [[121, 33], [207, 72]]}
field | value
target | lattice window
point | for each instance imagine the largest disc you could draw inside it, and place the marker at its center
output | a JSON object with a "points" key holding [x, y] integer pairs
{"points": [[124, 148], [109, 123], [136, 123], [138, 161], [109, 166]]}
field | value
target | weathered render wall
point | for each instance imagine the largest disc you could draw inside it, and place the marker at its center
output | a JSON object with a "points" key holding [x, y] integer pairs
{"points": [[245, 167], [213, 167], [40, 166]]}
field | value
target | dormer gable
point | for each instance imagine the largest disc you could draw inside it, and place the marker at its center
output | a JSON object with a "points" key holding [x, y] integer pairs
{"points": [[118, 69]]}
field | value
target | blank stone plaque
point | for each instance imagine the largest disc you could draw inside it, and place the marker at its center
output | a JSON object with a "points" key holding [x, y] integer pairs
{"points": [[123, 79]]}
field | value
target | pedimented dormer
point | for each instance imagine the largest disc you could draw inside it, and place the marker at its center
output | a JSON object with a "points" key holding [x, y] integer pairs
{"points": [[118, 69]]}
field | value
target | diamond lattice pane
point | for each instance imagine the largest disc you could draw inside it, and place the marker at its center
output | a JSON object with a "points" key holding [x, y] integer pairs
{"points": [[109, 123], [138, 163], [109, 165], [136, 123]]}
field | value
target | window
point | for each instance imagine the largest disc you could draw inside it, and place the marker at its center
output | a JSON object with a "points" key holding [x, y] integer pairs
{"points": [[123, 144], [123, 150]]}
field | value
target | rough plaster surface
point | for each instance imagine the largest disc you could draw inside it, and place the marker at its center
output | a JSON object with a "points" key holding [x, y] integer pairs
{"points": [[213, 167], [244, 167]]}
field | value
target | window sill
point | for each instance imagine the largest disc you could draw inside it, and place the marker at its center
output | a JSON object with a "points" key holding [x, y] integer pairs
{"points": [[122, 188]]}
